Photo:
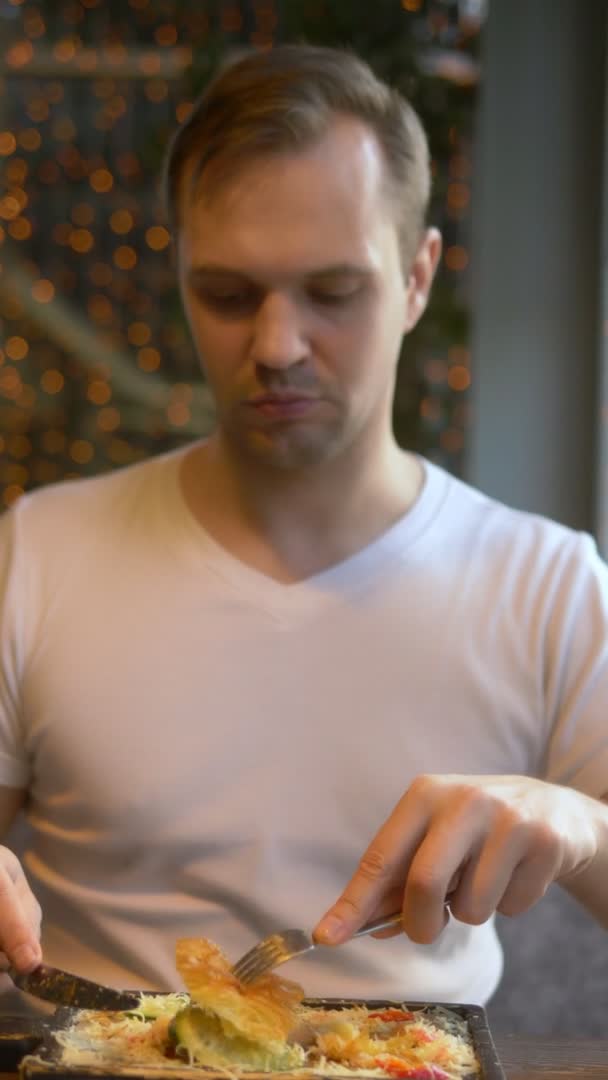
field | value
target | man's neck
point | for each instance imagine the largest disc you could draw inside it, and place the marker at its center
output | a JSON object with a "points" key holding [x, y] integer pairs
{"points": [[292, 525]]}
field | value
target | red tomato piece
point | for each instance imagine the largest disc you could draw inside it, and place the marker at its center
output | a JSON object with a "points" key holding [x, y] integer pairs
{"points": [[391, 1014], [397, 1068]]}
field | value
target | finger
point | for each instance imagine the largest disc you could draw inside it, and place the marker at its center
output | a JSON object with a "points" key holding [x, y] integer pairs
{"points": [[18, 934], [529, 883], [381, 872], [455, 836], [512, 872]]}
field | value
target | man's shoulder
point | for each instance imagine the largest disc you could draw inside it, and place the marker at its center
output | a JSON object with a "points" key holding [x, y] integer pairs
{"points": [[80, 503], [489, 525]]}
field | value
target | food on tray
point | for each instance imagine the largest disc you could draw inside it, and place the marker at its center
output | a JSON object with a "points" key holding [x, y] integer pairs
{"points": [[266, 1027]]}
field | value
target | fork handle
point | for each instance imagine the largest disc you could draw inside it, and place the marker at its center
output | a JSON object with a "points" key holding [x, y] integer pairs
{"points": [[380, 924], [389, 920]]}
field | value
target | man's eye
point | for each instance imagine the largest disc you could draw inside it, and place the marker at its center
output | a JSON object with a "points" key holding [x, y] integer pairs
{"points": [[229, 301], [333, 297]]}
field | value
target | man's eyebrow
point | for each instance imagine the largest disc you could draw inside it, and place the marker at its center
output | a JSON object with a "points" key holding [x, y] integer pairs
{"points": [[207, 271]]}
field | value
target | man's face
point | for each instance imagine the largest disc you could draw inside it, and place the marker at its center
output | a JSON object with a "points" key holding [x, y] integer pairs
{"points": [[295, 294]]}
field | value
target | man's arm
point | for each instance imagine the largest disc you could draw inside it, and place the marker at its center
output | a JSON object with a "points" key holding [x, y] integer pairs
{"points": [[481, 843], [20, 914]]}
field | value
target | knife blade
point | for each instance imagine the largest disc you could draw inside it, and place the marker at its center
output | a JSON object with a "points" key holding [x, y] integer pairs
{"points": [[63, 988]]}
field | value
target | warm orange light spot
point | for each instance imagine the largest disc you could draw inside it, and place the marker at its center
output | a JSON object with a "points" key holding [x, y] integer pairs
{"points": [[81, 240], [182, 111], [86, 59], [456, 257], [178, 413], [460, 167], [9, 207], [16, 170], [20, 229], [8, 143], [10, 383], [52, 381], [16, 348], [150, 63], [411, 5], [139, 333], [459, 196], [128, 164], [148, 359], [54, 91], [100, 308], [38, 110], [81, 451], [101, 180], [430, 409], [29, 139], [157, 237], [83, 214], [121, 221], [12, 493], [63, 129], [99, 392], [166, 34], [20, 54], [459, 378], [156, 90], [26, 398], [34, 26], [43, 291], [108, 419], [64, 50], [182, 392], [125, 257], [451, 440]]}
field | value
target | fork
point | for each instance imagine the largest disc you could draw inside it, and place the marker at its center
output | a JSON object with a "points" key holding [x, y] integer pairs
{"points": [[285, 945]]}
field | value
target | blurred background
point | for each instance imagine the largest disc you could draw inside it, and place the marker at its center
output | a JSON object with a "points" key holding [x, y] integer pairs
{"points": [[503, 383]]}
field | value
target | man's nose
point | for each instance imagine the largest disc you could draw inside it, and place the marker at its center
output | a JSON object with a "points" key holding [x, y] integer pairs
{"points": [[279, 339]]}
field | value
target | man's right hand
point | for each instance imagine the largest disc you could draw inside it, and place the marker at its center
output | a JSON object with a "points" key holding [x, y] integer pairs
{"points": [[20, 917]]}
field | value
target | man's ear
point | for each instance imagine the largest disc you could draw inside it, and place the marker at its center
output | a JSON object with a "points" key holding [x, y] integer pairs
{"points": [[420, 276]]}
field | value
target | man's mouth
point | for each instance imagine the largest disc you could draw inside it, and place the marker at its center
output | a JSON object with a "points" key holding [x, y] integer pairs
{"points": [[283, 405]]}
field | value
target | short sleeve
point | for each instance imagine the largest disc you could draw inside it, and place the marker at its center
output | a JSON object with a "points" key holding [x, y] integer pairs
{"points": [[576, 671], [14, 769]]}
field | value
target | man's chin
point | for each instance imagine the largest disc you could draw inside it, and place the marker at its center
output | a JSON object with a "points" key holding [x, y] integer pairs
{"points": [[286, 454]]}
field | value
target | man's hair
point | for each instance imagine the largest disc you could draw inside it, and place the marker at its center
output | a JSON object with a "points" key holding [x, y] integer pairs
{"points": [[284, 100]]}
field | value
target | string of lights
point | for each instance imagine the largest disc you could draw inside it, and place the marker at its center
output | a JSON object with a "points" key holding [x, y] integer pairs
{"points": [[96, 365]]}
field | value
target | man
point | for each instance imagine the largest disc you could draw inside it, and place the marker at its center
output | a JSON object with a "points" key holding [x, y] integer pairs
{"points": [[230, 671]]}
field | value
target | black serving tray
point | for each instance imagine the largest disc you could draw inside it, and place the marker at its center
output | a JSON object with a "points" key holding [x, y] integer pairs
{"points": [[37, 1054]]}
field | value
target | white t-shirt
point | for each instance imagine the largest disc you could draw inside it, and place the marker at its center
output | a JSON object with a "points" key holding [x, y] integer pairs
{"points": [[209, 752]]}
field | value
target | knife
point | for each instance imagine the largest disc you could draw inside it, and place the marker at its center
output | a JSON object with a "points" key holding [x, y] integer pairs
{"points": [[63, 988]]}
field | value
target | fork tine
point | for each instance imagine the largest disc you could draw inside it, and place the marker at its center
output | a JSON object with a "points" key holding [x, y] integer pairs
{"points": [[263, 956]]}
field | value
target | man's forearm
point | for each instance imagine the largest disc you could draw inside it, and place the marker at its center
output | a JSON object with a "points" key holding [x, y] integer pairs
{"points": [[590, 886]]}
